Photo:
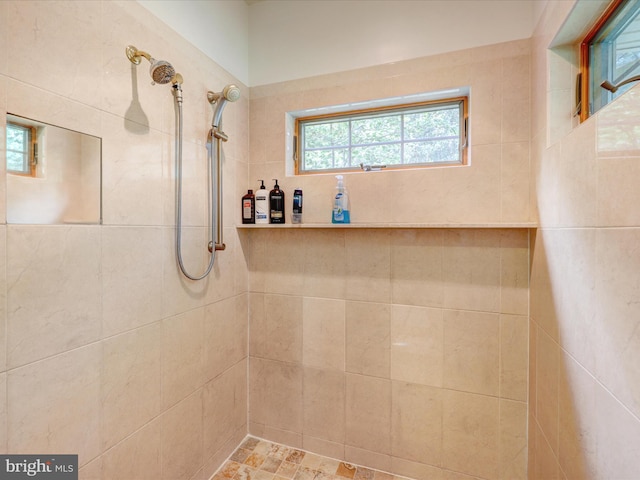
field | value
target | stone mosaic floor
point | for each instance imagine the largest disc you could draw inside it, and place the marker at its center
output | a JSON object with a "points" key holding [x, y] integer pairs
{"points": [[258, 459]]}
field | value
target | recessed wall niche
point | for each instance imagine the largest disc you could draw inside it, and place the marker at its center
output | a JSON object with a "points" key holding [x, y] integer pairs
{"points": [[53, 174]]}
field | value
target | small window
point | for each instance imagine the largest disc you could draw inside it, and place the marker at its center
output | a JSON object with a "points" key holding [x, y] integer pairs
{"points": [[611, 55], [21, 149], [410, 135]]}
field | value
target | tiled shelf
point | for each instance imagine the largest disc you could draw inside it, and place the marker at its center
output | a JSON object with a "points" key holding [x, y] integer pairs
{"points": [[524, 225]]}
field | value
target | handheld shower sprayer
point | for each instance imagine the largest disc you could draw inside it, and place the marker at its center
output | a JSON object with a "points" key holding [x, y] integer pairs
{"points": [[161, 71], [230, 93]]}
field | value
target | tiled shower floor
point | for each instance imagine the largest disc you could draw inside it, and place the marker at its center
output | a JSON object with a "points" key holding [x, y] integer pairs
{"points": [[257, 459]]}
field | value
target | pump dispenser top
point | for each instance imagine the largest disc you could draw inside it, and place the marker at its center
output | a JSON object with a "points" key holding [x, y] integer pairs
{"points": [[341, 206]]}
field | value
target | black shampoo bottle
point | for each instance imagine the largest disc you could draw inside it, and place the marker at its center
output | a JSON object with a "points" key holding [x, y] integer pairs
{"points": [[276, 204]]}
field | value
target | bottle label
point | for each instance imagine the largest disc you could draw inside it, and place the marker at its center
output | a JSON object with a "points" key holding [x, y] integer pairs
{"points": [[246, 209], [338, 215]]}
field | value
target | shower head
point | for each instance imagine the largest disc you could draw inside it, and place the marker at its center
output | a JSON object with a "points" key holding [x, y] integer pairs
{"points": [[161, 71], [230, 93]]}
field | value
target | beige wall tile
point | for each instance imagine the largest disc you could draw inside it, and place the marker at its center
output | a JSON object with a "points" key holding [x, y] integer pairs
{"points": [[56, 46], [532, 367], [471, 351], [276, 327], [64, 417], [324, 404], [421, 202], [514, 356], [471, 266], [224, 407], [368, 413], [53, 285], [546, 464], [416, 267], [417, 345], [131, 278], [323, 447], [137, 456], [617, 348], [3, 298], [92, 470], [486, 121], [416, 470], [416, 423], [516, 102], [182, 438], [221, 282], [283, 436], [543, 301], [277, 259], [324, 264], [578, 176], [470, 433], [577, 440], [514, 272], [513, 440], [475, 187], [226, 331], [616, 191], [275, 394], [618, 434], [178, 293], [514, 178], [359, 456], [368, 255], [123, 169], [368, 338], [131, 382], [323, 337], [182, 356], [3, 412], [547, 361]]}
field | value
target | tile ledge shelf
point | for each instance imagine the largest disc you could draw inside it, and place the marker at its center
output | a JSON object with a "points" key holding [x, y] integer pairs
{"points": [[525, 225]]}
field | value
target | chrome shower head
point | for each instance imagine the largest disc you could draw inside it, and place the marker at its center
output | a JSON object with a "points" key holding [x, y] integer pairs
{"points": [[161, 71], [230, 93]]}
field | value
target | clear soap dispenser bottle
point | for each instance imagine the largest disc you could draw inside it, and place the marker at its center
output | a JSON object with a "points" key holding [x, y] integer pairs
{"points": [[341, 206]]}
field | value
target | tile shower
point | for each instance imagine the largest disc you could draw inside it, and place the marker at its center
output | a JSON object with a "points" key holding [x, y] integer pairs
{"points": [[403, 350]]}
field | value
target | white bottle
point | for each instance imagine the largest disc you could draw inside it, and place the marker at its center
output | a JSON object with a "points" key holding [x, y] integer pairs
{"points": [[262, 204], [341, 207]]}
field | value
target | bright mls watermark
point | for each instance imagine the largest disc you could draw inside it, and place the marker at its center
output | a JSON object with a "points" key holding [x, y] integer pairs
{"points": [[39, 467]]}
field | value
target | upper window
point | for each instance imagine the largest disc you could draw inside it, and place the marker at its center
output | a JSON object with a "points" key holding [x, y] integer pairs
{"points": [[611, 55], [21, 151], [409, 135]]}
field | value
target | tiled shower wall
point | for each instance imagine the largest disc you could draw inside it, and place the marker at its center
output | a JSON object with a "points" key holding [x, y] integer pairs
{"points": [[400, 349], [105, 349], [585, 290]]}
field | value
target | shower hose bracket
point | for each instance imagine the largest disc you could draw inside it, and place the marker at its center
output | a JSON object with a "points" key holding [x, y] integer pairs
{"points": [[219, 246]]}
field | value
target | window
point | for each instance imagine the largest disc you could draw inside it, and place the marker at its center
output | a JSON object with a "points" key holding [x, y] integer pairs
{"points": [[610, 55], [424, 133], [21, 149]]}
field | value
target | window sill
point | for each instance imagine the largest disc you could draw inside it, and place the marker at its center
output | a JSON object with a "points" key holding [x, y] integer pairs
{"points": [[512, 225]]}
